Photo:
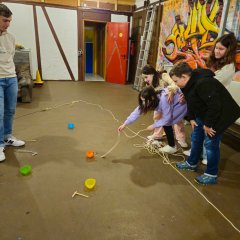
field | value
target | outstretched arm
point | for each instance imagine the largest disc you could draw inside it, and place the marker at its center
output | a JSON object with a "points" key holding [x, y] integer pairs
{"points": [[130, 119]]}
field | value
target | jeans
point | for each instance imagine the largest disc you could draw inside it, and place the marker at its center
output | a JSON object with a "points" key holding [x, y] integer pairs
{"points": [[212, 146], [8, 101]]}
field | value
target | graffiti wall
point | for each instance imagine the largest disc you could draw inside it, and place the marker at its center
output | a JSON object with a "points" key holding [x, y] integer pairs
{"points": [[189, 29], [233, 25]]}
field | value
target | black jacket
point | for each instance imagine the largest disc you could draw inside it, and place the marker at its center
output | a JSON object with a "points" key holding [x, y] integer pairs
{"points": [[210, 101]]}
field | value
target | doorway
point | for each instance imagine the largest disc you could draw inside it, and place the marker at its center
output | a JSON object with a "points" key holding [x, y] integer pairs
{"points": [[94, 44]]}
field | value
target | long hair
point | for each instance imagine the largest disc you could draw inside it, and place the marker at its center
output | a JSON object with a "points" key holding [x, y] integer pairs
{"points": [[150, 70], [230, 42], [150, 101]]}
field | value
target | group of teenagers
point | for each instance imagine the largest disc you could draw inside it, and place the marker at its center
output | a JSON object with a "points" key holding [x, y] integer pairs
{"points": [[199, 96]]}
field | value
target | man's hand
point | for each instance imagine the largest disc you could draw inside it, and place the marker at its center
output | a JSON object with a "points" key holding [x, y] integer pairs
{"points": [[121, 127], [170, 97], [193, 124], [150, 128], [209, 131], [181, 98]]}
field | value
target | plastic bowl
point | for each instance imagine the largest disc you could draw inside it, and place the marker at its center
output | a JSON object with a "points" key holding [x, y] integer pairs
{"points": [[90, 183], [71, 126], [25, 170], [90, 154]]}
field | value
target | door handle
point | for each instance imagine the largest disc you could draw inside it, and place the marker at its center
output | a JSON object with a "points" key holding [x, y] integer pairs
{"points": [[124, 56], [80, 52]]}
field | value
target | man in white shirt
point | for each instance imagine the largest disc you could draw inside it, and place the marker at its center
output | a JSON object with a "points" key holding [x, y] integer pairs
{"points": [[8, 83]]}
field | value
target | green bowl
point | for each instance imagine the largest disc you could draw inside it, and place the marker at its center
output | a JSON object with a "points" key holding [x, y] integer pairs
{"points": [[25, 170]]}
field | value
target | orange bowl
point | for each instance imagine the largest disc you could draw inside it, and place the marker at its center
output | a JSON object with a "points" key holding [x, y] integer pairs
{"points": [[90, 154]]}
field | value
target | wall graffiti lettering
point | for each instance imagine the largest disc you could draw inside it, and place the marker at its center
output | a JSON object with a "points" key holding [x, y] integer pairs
{"points": [[191, 42]]}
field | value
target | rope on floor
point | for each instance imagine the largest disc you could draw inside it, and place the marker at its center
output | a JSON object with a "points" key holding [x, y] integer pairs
{"points": [[150, 147]]}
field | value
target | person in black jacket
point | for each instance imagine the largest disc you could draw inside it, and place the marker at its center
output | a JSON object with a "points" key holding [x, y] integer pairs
{"points": [[211, 110]]}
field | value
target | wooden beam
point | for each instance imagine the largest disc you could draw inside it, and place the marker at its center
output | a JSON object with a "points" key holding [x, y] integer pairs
{"points": [[73, 3], [58, 43], [37, 41]]}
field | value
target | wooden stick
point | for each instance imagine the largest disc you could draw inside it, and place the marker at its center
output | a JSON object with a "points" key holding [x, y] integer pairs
{"points": [[80, 194], [83, 195]]}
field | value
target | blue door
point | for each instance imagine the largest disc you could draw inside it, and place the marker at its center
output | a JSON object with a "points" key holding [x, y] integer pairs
{"points": [[89, 57]]}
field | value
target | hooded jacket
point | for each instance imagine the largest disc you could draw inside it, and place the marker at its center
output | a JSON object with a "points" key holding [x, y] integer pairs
{"points": [[210, 101], [171, 113]]}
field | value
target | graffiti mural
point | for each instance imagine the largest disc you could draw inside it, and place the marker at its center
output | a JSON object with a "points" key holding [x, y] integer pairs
{"points": [[233, 25], [192, 35]]}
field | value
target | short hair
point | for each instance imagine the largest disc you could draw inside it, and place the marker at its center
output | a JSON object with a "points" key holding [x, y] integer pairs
{"points": [[179, 69], [5, 11]]}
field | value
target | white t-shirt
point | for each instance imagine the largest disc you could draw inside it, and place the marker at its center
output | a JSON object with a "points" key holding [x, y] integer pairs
{"points": [[7, 51], [225, 74]]}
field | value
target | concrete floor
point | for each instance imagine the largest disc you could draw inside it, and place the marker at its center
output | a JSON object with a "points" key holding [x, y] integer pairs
{"points": [[137, 197]]}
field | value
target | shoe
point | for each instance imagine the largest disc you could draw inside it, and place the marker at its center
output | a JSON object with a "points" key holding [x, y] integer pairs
{"points": [[204, 161], [2, 155], [154, 137], [157, 143], [185, 166], [183, 144], [187, 152], [12, 141], [168, 149], [206, 179]]}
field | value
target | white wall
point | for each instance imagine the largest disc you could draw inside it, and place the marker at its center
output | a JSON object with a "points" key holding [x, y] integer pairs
{"points": [[65, 25], [64, 22], [234, 89], [118, 18], [140, 3], [22, 27]]}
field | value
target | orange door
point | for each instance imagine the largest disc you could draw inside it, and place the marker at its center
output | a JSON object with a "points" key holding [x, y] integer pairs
{"points": [[117, 52]]}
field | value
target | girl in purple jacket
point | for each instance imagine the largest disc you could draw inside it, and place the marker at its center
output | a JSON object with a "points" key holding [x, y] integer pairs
{"points": [[168, 113]]}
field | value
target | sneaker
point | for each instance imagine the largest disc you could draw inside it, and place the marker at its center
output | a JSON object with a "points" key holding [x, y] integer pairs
{"points": [[183, 144], [154, 137], [187, 152], [157, 143], [168, 149], [2, 155], [206, 179], [12, 141], [204, 161], [186, 166]]}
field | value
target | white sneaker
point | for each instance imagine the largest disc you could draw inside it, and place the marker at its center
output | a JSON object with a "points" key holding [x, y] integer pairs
{"points": [[183, 144], [2, 155], [168, 149], [153, 137], [12, 141], [204, 161], [187, 152], [157, 143]]}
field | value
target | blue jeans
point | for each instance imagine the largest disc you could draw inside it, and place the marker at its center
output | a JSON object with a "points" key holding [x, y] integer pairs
{"points": [[8, 101], [212, 146]]}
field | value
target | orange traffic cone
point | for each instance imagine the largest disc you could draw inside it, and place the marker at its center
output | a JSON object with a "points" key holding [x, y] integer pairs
{"points": [[38, 81]]}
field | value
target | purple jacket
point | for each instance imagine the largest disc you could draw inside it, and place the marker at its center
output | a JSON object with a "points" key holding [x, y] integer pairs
{"points": [[171, 113]]}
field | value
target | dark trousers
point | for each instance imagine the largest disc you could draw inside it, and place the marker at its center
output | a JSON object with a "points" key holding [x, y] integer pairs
{"points": [[170, 135]]}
